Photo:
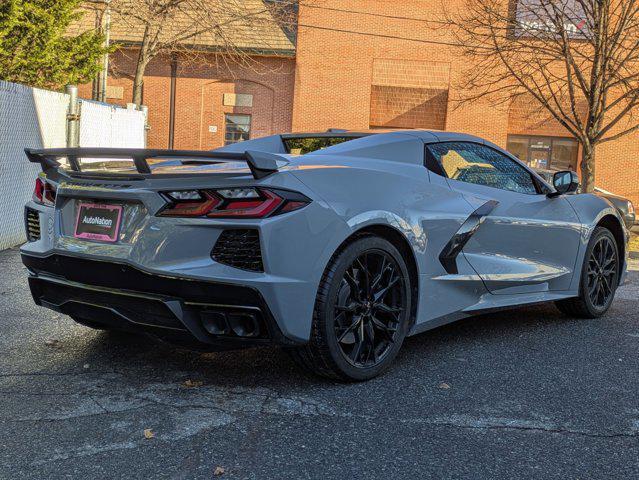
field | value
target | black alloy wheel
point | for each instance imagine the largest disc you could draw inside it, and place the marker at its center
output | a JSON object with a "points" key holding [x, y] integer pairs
{"points": [[602, 271], [599, 277], [362, 312], [368, 308]]}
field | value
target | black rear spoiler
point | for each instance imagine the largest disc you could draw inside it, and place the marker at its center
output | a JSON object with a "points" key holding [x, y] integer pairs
{"points": [[261, 164]]}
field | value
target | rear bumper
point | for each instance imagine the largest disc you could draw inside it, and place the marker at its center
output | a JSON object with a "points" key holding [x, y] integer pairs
{"points": [[119, 295]]}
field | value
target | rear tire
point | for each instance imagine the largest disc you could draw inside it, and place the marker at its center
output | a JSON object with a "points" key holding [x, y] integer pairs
{"points": [[599, 278], [362, 312]]}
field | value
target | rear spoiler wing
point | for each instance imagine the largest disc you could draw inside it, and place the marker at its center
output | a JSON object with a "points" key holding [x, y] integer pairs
{"points": [[261, 164]]}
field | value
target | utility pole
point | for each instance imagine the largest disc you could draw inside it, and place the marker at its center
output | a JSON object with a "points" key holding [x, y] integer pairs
{"points": [[106, 31], [103, 23]]}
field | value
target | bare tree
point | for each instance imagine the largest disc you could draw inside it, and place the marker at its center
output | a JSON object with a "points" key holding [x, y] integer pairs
{"points": [[577, 59], [230, 28]]}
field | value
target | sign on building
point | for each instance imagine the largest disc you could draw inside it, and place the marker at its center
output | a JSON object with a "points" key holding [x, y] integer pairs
{"points": [[536, 17], [238, 100]]}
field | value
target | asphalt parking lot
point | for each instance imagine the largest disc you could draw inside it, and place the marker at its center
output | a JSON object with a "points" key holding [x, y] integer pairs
{"points": [[520, 394]]}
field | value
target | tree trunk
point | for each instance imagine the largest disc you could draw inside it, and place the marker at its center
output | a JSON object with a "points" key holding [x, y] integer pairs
{"points": [[138, 80], [144, 56], [588, 168]]}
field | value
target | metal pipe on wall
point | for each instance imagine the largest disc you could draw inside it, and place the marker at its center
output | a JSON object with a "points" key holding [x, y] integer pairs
{"points": [[174, 65]]}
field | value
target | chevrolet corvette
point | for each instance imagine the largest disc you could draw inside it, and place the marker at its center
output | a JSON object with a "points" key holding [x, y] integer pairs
{"points": [[335, 245]]}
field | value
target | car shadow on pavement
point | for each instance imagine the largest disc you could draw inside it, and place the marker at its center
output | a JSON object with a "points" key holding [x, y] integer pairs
{"points": [[147, 358]]}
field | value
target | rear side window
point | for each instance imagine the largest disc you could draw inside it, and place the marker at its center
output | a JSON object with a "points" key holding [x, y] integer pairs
{"points": [[474, 163]]}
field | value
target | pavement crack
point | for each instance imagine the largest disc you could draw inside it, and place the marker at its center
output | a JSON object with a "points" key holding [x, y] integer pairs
{"points": [[53, 374], [104, 410], [71, 416], [522, 428]]}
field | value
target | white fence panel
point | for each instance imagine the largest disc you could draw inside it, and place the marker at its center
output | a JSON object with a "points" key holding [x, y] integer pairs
{"points": [[28, 118], [103, 125], [33, 118]]}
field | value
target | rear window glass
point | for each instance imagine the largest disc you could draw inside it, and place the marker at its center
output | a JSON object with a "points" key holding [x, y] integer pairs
{"points": [[303, 145]]}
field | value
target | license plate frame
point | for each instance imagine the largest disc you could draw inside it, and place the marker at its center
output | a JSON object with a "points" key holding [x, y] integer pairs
{"points": [[98, 222]]}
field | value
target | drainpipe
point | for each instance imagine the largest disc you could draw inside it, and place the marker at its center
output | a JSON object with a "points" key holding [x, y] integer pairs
{"points": [[174, 65], [145, 111]]}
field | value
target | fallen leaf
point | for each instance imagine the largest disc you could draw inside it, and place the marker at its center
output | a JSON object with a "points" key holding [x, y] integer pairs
{"points": [[444, 386], [219, 471], [192, 383], [148, 433], [53, 343]]}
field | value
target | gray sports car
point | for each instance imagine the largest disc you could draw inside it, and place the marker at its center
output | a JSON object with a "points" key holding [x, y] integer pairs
{"points": [[335, 253]]}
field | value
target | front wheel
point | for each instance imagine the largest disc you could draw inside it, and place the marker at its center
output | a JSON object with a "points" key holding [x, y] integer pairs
{"points": [[599, 278], [362, 312]]}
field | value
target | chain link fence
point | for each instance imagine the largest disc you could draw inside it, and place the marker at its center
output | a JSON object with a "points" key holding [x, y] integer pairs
{"points": [[35, 118]]}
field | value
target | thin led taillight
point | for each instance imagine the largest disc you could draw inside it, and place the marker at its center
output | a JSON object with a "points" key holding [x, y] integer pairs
{"points": [[232, 203], [250, 208], [44, 193], [38, 191], [191, 208]]}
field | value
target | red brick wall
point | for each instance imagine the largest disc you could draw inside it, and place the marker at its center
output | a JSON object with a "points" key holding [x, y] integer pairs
{"points": [[200, 93], [200, 87], [409, 94]]}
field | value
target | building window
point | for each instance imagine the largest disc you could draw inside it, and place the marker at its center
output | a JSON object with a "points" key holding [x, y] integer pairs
{"points": [[237, 128], [545, 153]]}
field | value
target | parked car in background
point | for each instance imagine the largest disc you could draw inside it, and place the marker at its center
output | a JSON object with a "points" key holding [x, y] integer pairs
{"points": [[623, 205]]}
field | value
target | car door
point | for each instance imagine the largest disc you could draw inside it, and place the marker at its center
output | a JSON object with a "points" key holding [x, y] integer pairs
{"points": [[519, 240]]}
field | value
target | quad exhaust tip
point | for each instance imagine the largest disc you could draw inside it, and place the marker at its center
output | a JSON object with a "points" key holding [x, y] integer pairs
{"points": [[239, 324]]}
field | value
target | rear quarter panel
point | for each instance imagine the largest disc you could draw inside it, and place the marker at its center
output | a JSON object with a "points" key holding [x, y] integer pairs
{"points": [[365, 192]]}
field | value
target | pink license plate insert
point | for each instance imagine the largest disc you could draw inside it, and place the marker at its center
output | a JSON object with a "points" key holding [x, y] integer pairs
{"points": [[98, 222]]}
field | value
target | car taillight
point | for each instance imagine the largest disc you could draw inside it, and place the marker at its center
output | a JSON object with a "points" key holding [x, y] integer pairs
{"points": [[191, 207], [44, 192], [232, 203]]}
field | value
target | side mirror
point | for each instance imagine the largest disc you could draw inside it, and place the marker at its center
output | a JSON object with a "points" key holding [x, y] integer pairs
{"points": [[564, 182]]}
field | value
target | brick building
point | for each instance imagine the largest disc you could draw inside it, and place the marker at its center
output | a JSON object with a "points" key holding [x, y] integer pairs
{"points": [[354, 64]]}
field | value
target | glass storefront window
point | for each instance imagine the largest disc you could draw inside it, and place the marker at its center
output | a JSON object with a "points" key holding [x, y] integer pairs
{"points": [[545, 153], [518, 147], [564, 154]]}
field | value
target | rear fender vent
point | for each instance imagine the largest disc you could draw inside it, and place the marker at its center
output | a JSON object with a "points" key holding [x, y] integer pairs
{"points": [[239, 248], [32, 224]]}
